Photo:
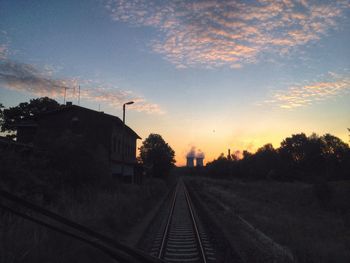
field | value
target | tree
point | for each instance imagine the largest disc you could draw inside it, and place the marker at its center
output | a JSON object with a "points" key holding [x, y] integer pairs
{"points": [[223, 166], [302, 156], [265, 161], [336, 155], [157, 154], [294, 148], [246, 154], [333, 146], [25, 110]]}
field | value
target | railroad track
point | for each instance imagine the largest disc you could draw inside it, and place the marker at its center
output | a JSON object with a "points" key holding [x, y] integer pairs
{"points": [[182, 238]]}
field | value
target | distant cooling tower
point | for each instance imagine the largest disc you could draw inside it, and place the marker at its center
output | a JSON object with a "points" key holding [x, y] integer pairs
{"points": [[190, 162], [199, 161]]}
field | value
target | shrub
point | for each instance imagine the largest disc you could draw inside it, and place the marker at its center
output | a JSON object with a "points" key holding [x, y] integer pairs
{"points": [[323, 193]]}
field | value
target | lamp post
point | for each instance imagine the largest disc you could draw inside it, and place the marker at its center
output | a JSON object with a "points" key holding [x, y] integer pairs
{"points": [[123, 139], [127, 103]]}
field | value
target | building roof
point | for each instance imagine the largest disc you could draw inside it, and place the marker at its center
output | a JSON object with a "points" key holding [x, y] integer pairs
{"points": [[111, 118]]}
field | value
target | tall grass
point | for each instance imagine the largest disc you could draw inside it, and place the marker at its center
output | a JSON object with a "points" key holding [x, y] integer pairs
{"points": [[112, 210], [292, 214]]}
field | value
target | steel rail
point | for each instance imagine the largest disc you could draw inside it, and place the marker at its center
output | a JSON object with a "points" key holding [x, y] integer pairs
{"points": [[199, 241], [166, 230], [193, 220]]}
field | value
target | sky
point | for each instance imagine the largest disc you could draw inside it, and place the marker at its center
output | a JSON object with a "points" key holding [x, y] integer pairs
{"points": [[206, 75]]}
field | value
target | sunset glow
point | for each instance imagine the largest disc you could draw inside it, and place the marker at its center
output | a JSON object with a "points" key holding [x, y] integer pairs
{"points": [[214, 75]]}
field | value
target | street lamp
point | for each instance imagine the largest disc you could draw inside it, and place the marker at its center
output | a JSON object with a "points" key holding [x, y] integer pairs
{"points": [[123, 139], [127, 103]]}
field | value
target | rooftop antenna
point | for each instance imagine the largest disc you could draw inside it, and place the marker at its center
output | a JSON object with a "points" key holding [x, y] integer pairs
{"points": [[79, 96], [65, 93], [99, 109]]}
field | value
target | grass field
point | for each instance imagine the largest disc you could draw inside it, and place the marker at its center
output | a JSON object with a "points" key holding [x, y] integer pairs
{"points": [[289, 213], [113, 211]]}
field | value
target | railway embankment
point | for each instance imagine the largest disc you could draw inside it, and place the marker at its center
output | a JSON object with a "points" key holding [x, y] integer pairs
{"points": [[115, 210], [275, 222]]}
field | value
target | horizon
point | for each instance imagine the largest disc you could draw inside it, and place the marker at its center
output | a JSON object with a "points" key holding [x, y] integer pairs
{"points": [[204, 74]]}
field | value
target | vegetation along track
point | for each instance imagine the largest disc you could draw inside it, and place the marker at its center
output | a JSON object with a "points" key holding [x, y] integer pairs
{"points": [[183, 238]]}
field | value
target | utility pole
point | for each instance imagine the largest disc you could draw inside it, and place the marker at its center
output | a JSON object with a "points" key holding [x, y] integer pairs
{"points": [[65, 93], [79, 96]]}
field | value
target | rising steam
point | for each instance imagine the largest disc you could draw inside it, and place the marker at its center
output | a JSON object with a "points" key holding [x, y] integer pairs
{"points": [[193, 153]]}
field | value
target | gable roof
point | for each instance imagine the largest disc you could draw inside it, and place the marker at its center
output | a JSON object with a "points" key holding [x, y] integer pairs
{"points": [[107, 117]]}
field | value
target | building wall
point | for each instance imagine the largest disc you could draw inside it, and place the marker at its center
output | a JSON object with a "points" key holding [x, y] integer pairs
{"points": [[117, 139], [26, 134], [97, 129], [94, 130], [130, 148], [116, 169], [199, 161], [100, 132], [190, 162]]}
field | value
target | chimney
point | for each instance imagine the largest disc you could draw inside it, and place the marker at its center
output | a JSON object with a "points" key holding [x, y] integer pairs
{"points": [[190, 162], [199, 161], [69, 103]]}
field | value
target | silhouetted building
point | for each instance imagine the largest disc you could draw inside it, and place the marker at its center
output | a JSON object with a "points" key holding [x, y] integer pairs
{"points": [[102, 132], [199, 161], [190, 161]]}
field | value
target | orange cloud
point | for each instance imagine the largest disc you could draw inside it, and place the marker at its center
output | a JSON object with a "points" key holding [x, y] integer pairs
{"points": [[212, 33], [303, 95]]}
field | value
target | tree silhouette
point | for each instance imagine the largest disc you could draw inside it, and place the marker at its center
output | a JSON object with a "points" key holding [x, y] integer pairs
{"points": [[26, 110], [333, 146], [265, 161], [294, 148], [157, 154], [309, 158], [222, 166]]}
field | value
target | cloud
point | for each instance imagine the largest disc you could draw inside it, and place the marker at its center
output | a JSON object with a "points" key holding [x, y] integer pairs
{"points": [[116, 97], [4, 45], [303, 95], [191, 152], [3, 51], [233, 33], [26, 77]]}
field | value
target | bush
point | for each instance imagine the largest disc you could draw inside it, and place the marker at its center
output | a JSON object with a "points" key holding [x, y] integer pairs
{"points": [[323, 193]]}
